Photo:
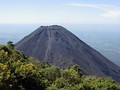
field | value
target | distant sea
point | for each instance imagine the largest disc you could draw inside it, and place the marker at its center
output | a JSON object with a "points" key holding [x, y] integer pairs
{"points": [[104, 38]]}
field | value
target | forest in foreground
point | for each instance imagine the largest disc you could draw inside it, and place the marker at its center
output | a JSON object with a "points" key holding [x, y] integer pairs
{"points": [[18, 72]]}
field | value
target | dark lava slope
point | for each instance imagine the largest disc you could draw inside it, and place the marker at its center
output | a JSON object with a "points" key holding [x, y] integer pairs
{"points": [[58, 46]]}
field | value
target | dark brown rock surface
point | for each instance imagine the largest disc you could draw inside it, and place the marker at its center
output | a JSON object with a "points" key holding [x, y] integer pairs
{"points": [[58, 46]]}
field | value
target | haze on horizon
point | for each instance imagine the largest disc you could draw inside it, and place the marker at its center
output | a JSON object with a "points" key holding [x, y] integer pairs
{"points": [[60, 11], [68, 13]]}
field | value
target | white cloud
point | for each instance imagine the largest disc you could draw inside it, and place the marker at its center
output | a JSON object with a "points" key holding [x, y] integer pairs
{"points": [[109, 11], [114, 14], [85, 5]]}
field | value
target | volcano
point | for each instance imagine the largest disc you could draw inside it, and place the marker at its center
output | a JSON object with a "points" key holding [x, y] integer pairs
{"points": [[56, 45]]}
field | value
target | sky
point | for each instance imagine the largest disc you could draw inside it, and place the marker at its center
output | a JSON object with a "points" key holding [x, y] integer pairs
{"points": [[60, 11]]}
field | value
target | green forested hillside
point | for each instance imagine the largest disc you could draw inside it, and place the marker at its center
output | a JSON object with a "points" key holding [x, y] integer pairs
{"points": [[18, 72]]}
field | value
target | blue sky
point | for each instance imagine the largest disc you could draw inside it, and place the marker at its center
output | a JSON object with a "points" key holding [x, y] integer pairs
{"points": [[60, 11]]}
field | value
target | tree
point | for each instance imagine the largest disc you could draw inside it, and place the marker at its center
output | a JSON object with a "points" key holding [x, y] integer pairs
{"points": [[10, 44], [77, 69]]}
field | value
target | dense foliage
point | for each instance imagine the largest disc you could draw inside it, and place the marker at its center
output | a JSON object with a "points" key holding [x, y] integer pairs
{"points": [[18, 72]]}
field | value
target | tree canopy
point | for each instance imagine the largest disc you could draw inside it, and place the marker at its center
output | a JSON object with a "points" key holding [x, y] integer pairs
{"points": [[18, 72]]}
